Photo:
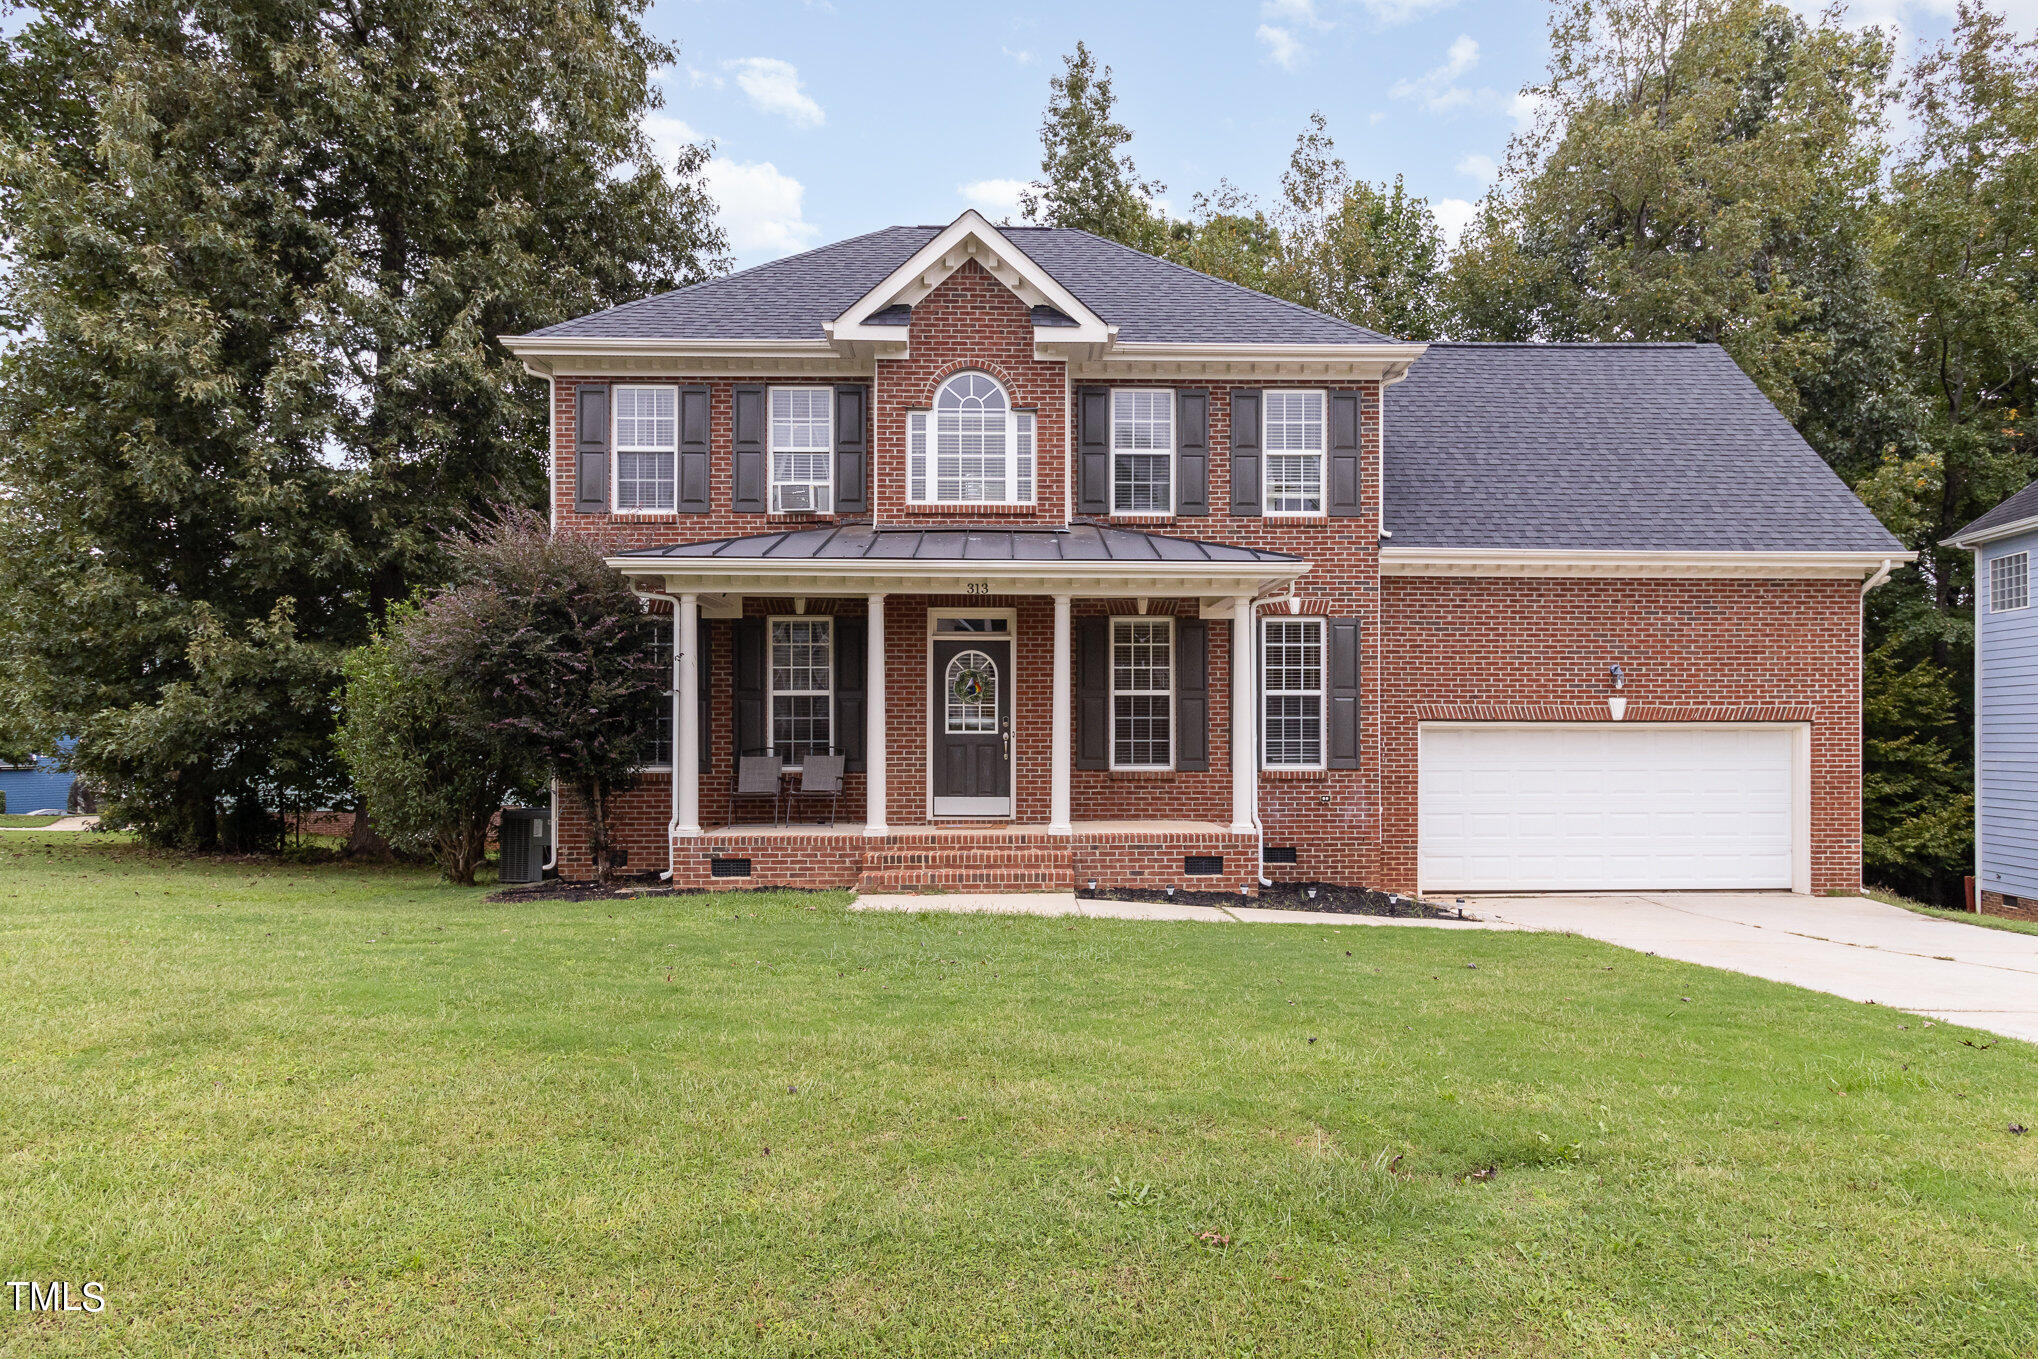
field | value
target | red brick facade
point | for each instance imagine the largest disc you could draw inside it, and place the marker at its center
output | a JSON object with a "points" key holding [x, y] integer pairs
{"points": [[1435, 648]]}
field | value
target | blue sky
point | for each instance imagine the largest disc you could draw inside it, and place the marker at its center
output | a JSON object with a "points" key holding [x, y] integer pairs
{"points": [[833, 117]]}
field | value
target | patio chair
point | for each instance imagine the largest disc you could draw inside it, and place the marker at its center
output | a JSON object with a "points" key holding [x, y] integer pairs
{"points": [[759, 773], [820, 776]]}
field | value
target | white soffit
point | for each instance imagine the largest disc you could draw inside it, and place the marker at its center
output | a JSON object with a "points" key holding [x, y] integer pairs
{"points": [[1499, 561], [969, 237]]}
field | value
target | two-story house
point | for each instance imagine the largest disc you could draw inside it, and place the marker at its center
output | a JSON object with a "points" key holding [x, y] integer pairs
{"points": [[1097, 569]]}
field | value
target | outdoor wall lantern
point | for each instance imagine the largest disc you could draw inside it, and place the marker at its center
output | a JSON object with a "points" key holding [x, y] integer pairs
{"points": [[1617, 703]]}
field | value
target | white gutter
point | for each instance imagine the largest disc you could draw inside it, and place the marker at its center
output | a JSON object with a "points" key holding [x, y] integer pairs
{"points": [[1424, 561], [868, 568], [2009, 530], [1888, 565]]}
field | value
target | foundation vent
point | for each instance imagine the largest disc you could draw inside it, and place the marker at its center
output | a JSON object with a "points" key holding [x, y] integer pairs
{"points": [[728, 868], [1203, 865]]}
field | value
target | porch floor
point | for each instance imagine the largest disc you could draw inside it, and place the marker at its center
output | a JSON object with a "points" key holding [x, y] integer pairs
{"points": [[978, 828]]}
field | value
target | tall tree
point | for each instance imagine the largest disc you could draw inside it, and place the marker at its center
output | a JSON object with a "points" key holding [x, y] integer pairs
{"points": [[259, 253], [1698, 169], [1087, 179], [1372, 254]]}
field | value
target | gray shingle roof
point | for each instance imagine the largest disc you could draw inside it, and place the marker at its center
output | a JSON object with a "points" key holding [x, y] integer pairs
{"points": [[1078, 543], [1148, 299], [1638, 447], [2022, 505]]}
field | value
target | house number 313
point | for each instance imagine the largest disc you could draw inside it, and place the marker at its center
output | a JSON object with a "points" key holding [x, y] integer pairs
{"points": [[978, 587]]}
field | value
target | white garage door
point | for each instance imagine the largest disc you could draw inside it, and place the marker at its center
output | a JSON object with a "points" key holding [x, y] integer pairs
{"points": [[1599, 806]]}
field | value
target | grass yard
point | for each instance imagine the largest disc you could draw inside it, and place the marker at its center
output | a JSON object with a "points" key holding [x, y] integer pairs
{"points": [[1987, 922], [323, 1110], [23, 821]]}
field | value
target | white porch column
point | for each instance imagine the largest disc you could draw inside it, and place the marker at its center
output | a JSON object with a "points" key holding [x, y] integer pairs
{"points": [[1058, 822], [686, 716], [1245, 715], [874, 719]]}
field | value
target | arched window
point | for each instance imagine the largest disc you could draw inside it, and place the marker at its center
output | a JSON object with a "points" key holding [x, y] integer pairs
{"points": [[973, 448]]}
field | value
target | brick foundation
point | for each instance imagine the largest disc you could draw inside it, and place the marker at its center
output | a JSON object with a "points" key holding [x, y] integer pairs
{"points": [[2009, 907]]}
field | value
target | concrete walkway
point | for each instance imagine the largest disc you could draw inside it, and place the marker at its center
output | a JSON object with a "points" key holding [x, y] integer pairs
{"points": [[1847, 946], [1068, 903]]}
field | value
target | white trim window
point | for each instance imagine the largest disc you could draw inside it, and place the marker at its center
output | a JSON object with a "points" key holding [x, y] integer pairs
{"points": [[1291, 699], [2009, 582], [656, 751], [1142, 693], [802, 449], [647, 446], [802, 693], [1294, 452], [973, 448], [1143, 451]]}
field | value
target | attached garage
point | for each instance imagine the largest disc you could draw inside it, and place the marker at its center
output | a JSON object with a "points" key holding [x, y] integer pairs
{"points": [[1606, 806]]}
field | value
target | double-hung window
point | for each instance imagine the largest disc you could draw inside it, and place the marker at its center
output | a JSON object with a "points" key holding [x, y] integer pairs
{"points": [[802, 449], [655, 751], [1142, 451], [802, 687], [647, 446], [1291, 679], [973, 448], [1294, 452], [1142, 693], [2009, 582]]}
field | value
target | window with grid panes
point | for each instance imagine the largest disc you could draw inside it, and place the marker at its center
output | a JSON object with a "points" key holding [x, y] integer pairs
{"points": [[802, 687], [802, 448], [647, 446], [656, 749], [1291, 700], [2009, 582], [1142, 693], [1142, 451], [1294, 452], [972, 448]]}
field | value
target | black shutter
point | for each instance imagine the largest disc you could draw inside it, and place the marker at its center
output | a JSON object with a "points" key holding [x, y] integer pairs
{"points": [[1344, 453], [851, 647], [1093, 450], [591, 450], [704, 645], [1093, 693], [752, 488], [693, 450], [1341, 696], [1245, 451], [852, 450], [753, 733], [1192, 452], [1192, 694]]}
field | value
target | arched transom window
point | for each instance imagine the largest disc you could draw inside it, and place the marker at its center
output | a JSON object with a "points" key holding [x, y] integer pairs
{"points": [[973, 448], [972, 686]]}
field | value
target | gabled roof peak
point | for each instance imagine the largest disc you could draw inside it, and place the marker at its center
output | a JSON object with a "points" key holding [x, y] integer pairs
{"points": [[968, 239]]}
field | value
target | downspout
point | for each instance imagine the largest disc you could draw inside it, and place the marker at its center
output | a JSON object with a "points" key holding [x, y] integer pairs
{"points": [[672, 760], [1881, 575]]}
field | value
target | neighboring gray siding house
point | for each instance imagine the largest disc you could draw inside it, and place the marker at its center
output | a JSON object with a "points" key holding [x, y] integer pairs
{"points": [[2004, 542]]}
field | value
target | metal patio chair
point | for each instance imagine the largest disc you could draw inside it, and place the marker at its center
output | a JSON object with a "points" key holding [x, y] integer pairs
{"points": [[820, 776], [759, 773]]}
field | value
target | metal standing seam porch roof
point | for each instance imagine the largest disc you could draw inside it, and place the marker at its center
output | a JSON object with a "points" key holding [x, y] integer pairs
{"points": [[1087, 553]]}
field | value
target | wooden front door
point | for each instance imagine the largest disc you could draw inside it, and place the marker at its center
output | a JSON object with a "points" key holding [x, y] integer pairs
{"points": [[971, 710]]}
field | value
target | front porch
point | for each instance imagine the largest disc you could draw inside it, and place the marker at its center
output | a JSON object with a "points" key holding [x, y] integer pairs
{"points": [[977, 857]]}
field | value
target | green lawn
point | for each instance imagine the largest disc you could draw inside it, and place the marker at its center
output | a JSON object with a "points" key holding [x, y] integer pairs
{"points": [[25, 821], [296, 1110], [1987, 922]]}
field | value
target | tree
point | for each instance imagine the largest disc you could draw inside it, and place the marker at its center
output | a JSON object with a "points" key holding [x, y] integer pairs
{"points": [[1086, 180], [539, 647], [258, 256], [433, 776], [1372, 254], [1698, 169]]}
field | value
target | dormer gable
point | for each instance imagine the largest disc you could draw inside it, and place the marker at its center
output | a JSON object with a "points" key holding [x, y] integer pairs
{"points": [[1059, 315]]}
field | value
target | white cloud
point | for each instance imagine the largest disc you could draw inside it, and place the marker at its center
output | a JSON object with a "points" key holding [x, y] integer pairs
{"points": [[774, 87], [1476, 166], [996, 199], [1019, 55], [1453, 216], [1282, 48], [700, 79], [1401, 11], [761, 207], [1437, 89], [1523, 108]]}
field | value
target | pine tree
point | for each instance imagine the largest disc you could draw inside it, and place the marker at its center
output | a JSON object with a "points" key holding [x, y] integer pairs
{"points": [[1087, 180]]}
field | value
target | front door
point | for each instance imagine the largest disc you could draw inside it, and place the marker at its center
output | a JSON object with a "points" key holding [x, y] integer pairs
{"points": [[972, 720]]}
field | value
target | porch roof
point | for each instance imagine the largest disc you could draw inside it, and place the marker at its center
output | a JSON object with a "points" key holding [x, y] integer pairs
{"points": [[1085, 559]]}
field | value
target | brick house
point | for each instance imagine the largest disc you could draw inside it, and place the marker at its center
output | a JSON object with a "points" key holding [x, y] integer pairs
{"points": [[996, 513]]}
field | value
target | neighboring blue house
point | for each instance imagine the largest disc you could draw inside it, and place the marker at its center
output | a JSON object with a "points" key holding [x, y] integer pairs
{"points": [[2005, 705], [37, 786]]}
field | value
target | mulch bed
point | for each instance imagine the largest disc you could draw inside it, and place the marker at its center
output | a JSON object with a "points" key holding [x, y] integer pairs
{"points": [[1327, 897], [625, 887]]}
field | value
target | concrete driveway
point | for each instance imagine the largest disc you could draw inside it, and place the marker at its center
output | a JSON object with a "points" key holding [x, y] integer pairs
{"points": [[1848, 946]]}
